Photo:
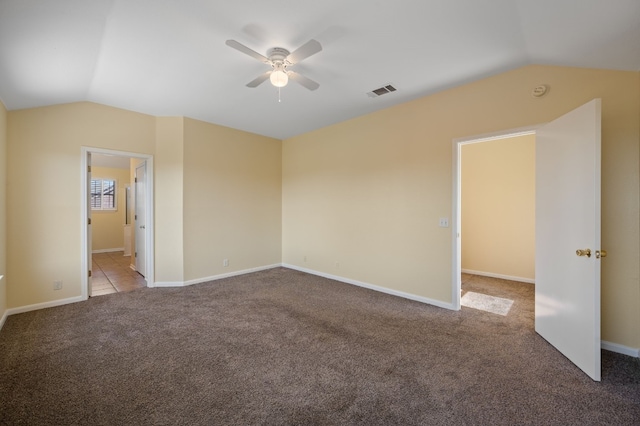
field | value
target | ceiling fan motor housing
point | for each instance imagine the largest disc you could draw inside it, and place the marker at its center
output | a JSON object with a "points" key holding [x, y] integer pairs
{"points": [[278, 55]]}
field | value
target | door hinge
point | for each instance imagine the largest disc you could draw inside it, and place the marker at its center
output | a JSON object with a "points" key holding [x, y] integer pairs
{"points": [[135, 180], [135, 217], [136, 254], [89, 221], [88, 169], [89, 272]]}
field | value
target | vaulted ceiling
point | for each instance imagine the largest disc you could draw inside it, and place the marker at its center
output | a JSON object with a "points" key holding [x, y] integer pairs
{"points": [[169, 58]]}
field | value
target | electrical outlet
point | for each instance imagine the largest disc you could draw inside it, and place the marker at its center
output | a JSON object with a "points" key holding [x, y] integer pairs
{"points": [[337, 265], [57, 285], [305, 258], [225, 262]]}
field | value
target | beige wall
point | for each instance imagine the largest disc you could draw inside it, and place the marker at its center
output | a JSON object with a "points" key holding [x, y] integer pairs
{"points": [[169, 188], [232, 200], [217, 194], [108, 226], [44, 144], [221, 199], [498, 207], [3, 209], [368, 192]]}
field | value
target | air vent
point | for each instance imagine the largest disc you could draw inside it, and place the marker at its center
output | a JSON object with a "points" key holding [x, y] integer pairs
{"points": [[381, 91]]}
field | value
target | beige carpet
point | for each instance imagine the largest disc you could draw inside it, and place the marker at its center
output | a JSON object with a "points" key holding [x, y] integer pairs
{"points": [[281, 347]]}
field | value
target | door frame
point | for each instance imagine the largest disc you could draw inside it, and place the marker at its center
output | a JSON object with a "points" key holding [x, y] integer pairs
{"points": [[85, 243], [456, 246]]}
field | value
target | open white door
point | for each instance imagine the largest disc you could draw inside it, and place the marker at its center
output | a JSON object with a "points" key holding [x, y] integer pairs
{"points": [[568, 252], [88, 224], [141, 218]]}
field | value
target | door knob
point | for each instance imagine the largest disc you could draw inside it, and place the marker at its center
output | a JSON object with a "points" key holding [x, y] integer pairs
{"points": [[601, 253], [585, 252]]}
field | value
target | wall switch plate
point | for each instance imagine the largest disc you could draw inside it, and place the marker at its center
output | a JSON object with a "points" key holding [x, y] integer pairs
{"points": [[444, 222], [225, 262]]}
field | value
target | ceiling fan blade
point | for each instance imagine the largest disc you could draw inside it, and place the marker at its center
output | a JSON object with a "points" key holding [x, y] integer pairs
{"points": [[302, 80], [259, 80], [309, 48], [244, 49]]}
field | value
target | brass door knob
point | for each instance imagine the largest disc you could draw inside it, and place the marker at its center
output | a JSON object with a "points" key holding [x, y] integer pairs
{"points": [[601, 253], [585, 252]]}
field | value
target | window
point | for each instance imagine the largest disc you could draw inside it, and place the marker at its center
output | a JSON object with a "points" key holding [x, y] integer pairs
{"points": [[103, 194]]}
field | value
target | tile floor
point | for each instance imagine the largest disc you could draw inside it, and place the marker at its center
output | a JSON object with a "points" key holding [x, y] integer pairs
{"points": [[111, 273]]}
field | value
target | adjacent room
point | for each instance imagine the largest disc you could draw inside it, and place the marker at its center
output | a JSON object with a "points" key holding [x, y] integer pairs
{"points": [[319, 212], [498, 219], [113, 214]]}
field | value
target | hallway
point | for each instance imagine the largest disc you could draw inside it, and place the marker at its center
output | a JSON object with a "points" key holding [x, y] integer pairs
{"points": [[111, 273]]}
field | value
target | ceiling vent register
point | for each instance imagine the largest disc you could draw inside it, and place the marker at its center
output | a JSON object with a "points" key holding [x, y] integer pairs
{"points": [[381, 91]]}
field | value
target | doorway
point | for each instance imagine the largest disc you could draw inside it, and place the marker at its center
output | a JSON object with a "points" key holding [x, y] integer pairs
{"points": [[145, 239], [480, 258], [498, 219], [567, 222]]}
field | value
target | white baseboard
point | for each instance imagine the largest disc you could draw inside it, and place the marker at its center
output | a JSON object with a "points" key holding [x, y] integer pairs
{"points": [[3, 319], [111, 250], [503, 277], [621, 349], [165, 284], [374, 287], [44, 305], [4, 314]]}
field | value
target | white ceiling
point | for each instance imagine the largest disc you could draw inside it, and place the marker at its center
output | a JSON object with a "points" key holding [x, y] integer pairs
{"points": [[169, 58]]}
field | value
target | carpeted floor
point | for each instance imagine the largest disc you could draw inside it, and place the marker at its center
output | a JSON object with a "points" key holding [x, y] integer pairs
{"points": [[280, 347]]}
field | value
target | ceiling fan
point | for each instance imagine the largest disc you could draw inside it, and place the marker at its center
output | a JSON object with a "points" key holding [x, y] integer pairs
{"points": [[280, 60]]}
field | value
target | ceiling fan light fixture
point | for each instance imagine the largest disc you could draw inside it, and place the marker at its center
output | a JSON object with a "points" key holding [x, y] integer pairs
{"points": [[280, 59], [279, 77]]}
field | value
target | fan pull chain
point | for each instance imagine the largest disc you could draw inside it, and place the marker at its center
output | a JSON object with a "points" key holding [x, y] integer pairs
{"points": [[279, 100]]}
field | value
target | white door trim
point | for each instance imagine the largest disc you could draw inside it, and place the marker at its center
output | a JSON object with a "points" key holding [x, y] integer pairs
{"points": [[456, 255], [84, 243]]}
